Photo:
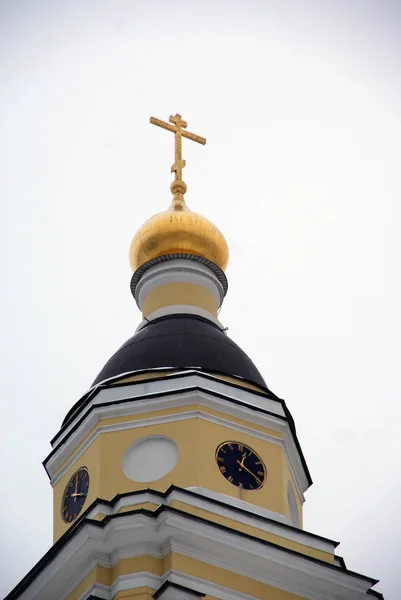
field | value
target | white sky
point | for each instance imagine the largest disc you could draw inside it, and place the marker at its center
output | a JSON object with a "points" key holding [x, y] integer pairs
{"points": [[300, 104]]}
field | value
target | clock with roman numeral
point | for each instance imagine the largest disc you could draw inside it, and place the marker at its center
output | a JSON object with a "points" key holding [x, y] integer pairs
{"points": [[75, 495], [240, 465]]}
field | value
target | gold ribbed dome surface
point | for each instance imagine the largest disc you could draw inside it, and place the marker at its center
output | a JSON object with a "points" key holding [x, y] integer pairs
{"points": [[178, 230]]}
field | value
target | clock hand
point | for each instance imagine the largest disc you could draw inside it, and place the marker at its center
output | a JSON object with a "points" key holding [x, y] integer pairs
{"points": [[76, 486], [241, 464], [250, 472]]}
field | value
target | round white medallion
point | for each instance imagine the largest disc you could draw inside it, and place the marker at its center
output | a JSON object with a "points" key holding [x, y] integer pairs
{"points": [[150, 458]]}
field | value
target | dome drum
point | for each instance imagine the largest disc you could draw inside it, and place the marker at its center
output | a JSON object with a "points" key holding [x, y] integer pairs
{"points": [[179, 271], [217, 272]]}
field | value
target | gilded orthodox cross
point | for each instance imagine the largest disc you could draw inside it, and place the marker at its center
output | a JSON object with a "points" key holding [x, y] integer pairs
{"points": [[178, 127]]}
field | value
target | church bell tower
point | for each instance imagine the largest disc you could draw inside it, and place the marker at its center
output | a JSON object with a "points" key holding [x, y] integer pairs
{"points": [[179, 474]]}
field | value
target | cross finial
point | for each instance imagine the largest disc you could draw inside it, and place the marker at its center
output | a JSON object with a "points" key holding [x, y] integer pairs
{"points": [[178, 127]]}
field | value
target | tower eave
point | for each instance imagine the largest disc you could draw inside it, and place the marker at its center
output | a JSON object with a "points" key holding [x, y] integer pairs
{"points": [[167, 530]]}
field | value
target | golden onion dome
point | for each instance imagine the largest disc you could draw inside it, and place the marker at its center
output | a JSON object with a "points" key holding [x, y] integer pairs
{"points": [[178, 230]]}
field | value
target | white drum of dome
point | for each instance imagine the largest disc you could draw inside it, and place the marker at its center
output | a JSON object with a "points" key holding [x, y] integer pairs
{"points": [[150, 458]]}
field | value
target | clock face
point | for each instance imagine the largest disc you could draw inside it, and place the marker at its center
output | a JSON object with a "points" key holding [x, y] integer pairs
{"points": [[241, 465], [75, 495]]}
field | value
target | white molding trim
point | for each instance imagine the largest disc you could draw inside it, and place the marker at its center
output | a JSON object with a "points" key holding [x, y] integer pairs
{"points": [[139, 423], [237, 503], [143, 579], [178, 309], [146, 579], [143, 549], [98, 589], [183, 397], [77, 580], [73, 455], [122, 583], [207, 587], [207, 542], [172, 383], [248, 516], [179, 270]]}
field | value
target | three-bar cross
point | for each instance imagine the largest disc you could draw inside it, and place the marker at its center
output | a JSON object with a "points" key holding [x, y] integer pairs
{"points": [[178, 128]]}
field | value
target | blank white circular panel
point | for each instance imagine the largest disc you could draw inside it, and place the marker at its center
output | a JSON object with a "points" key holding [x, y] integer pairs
{"points": [[150, 458]]}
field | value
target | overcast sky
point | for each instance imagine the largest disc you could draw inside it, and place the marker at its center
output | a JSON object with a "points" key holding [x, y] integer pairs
{"points": [[300, 104]]}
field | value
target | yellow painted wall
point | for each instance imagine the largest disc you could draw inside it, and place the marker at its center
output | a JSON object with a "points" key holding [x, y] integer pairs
{"points": [[245, 384], [269, 496], [143, 593], [137, 564], [197, 440], [144, 377], [115, 444], [159, 374], [90, 460], [171, 294], [170, 411], [98, 574], [233, 523], [183, 564], [254, 531], [146, 505], [234, 581]]}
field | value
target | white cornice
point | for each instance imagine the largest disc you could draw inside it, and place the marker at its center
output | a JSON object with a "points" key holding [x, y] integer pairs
{"points": [[256, 409], [232, 503], [222, 505], [207, 587], [143, 391], [70, 454], [204, 502], [75, 581], [146, 579], [122, 583], [207, 542]]}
